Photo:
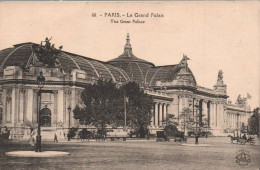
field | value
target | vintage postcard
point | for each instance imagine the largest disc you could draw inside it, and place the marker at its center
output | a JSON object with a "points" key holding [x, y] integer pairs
{"points": [[124, 85]]}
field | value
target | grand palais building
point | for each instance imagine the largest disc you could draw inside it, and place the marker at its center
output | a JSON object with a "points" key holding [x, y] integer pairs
{"points": [[172, 87]]}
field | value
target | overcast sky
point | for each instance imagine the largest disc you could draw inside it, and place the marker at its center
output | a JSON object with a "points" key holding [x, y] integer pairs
{"points": [[214, 35]]}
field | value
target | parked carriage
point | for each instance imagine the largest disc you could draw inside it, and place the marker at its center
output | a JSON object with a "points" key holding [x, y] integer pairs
{"points": [[161, 137], [180, 137]]}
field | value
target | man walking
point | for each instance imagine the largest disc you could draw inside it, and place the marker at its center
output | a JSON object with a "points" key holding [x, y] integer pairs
{"points": [[55, 138]]}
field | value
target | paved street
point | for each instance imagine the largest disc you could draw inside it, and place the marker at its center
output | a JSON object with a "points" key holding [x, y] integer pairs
{"points": [[133, 154]]}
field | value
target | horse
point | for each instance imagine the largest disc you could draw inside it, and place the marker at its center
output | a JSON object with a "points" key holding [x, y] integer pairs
{"points": [[232, 138]]}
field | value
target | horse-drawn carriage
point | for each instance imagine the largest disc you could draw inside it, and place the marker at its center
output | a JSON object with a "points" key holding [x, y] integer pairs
{"points": [[161, 137], [242, 140], [180, 137]]}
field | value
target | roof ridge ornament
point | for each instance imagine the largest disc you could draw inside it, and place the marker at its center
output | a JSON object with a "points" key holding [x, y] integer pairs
{"points": [[128, 39], [128, 48]]}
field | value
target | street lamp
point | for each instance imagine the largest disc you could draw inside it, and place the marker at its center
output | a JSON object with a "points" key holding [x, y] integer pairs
{"points": [[40, 82], [196, 132], [69, 109]]}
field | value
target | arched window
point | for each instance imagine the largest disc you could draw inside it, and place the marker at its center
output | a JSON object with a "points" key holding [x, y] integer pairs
{"points": [[45, 117], [1, 115]]}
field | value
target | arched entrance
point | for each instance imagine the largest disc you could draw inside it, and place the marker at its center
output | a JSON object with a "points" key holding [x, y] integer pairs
{"points": [[45, 117]]}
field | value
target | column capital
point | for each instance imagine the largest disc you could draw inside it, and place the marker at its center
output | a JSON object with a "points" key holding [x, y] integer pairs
{"points": [[67, 91], [22, 90], [205, 101], [55, 91], [35, 90], [197, 101], [9, 91]]}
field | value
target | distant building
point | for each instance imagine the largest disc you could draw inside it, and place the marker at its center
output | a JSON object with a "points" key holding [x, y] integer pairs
{"points": [[173, 87]]}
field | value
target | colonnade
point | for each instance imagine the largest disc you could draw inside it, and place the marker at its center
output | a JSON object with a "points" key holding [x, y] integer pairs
{"points": [[235, 119], [211, 112], [160, 111]]}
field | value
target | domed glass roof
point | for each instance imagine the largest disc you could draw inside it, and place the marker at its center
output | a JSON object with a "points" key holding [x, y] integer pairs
{"points": [[23, 54], [136, 68]]}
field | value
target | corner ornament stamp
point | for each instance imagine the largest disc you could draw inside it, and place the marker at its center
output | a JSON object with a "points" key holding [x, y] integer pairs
{"points": [[243, 158]]}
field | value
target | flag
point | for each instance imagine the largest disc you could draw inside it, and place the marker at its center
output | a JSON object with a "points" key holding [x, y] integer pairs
{"points": [[249, 96]]}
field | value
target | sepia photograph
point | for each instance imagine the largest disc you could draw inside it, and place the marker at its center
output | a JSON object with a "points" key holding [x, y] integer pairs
{"points": [[130, 85]]}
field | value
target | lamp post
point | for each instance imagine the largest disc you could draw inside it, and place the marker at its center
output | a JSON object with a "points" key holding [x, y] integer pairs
{"points": [[69, 109], [40, 82], [196, 131]]}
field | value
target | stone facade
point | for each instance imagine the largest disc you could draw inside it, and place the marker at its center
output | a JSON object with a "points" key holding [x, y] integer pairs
{"points": [[173, 88]]}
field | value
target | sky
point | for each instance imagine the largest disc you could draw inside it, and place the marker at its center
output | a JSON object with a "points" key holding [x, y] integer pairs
{"points": [[214, 35]]}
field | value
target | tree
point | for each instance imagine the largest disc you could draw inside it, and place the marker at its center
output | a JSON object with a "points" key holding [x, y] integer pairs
{"points": [[253, 122], [103, 105], [193, 123], [170, 120], [186, 120], [171, 128], [138, 107]]}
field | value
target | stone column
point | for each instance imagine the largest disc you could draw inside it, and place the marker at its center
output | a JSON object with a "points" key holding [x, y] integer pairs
{"points": [[233, 120], [35, 106], [60, 106], [13, 119], [204, 110], [221, 115], [73, 103], [55, 108], [22, 105], [4, 105], [186, 101], [165, 111], [161, 115], [156, 114], [228, 120], [180, 105], [152, 117], [211, 121], [29, 106], [8, 105]]}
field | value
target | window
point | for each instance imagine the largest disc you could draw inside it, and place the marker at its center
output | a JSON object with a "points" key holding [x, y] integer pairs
{"points": [[45, 117]]}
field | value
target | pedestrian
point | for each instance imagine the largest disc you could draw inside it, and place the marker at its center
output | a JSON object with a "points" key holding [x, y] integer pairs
{"points": [[31, 141], [55, 138]]}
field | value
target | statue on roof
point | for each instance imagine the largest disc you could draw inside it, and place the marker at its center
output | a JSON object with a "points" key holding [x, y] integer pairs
{"points": [[184, 61], [47, 42], [220, 75], [241, 101], [47, 54]]}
